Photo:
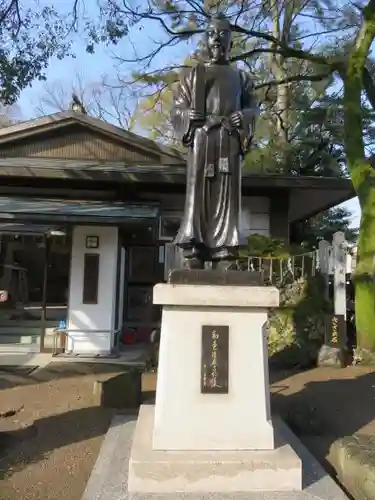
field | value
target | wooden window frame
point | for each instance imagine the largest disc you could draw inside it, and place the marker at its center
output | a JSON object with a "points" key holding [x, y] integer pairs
{"points": [[166, 216]]}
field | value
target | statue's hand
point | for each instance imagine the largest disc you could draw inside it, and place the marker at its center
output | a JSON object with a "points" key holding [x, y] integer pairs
{"points": [[196, 116], [236, 119]]}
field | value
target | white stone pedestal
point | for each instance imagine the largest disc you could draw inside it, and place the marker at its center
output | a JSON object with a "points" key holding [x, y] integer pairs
{"points": [[212, 442]]}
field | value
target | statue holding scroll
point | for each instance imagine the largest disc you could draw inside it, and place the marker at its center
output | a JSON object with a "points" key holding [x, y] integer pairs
{"points": [[213, 114]]}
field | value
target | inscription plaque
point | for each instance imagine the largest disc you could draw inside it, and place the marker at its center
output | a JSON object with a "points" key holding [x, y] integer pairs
{"points": [[215, 359], [335, 330]]}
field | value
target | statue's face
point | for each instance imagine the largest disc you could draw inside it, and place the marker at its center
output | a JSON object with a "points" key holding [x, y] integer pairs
{"points": [[218, 38]]}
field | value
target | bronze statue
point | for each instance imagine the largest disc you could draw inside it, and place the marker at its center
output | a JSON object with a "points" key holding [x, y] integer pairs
{"points": [[213, 113]]}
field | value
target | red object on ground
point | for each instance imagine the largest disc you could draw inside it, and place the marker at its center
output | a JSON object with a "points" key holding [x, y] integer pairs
{"points": [[129, 336]]}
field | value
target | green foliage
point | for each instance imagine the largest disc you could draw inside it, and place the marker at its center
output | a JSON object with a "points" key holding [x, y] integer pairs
{"points": [[264, 246], [322, 227], [28, 40], [296, 330]]}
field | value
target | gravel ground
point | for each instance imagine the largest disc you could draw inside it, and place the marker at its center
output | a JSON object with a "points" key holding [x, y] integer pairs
{"points": [[53, 439], [324, 404]]}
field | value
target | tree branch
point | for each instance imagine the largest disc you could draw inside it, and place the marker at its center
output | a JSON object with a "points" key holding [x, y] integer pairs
{"points": [[284, 49], [294, 78]]}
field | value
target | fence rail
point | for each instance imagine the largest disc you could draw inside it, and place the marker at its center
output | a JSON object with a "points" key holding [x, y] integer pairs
{"points": [[279, 269], [273, 269]]}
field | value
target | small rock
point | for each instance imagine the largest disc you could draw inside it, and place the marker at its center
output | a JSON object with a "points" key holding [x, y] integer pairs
{"points": [[363, 357], [330, 356]]}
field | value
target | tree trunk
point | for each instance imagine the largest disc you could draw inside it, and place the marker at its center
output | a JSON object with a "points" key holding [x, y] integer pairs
{"points": [[278, 11], [363, 178]]}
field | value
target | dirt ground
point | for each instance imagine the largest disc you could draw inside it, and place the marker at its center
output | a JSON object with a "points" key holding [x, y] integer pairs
{"points": [[54, 436], [324, 404]]}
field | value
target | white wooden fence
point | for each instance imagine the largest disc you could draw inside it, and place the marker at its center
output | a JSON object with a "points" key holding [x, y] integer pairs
{"points": [[337, 259]]}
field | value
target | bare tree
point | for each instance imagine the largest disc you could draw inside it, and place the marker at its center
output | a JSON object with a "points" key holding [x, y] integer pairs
{"points": [[9, 115], [101, 99]]}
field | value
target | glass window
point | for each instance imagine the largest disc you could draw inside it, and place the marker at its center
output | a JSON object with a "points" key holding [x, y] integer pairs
{"points": [[142, 264], [169, 226], [22, 264], [33, 266], [58, 272], [140, 307]]}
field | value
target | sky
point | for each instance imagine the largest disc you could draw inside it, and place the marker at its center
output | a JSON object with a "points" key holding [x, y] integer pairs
{"points": [[90, 68]]}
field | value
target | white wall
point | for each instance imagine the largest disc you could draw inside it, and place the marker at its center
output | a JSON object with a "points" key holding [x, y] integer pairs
{"points": [[255, 215], [100, 316]]}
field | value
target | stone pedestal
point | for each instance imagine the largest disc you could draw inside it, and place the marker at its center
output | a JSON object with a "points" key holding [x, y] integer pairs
{"points": [[220, 441]]}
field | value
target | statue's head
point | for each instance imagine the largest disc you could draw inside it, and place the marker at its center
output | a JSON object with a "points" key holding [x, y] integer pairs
{"points": [[218, 38]]}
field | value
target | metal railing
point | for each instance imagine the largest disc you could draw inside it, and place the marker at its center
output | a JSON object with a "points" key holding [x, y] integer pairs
{"points": [[115, 335], [275, 270]]}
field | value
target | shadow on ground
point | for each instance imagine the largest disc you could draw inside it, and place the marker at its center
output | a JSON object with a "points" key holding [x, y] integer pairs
{"points": [[319, 405], [50, 433], [323, 411], [18, 376]]}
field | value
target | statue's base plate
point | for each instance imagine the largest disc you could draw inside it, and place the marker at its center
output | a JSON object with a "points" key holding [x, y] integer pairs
{"points": [[214, 277], [227, 471]]}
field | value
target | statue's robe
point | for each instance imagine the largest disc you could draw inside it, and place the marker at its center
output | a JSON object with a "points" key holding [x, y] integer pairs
{"points": [[210, 226]]}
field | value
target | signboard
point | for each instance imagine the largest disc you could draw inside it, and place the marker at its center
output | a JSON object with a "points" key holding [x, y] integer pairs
{"points": [[215, 359], [335, 330]]}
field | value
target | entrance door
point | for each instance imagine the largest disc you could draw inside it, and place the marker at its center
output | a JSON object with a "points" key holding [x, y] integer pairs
{"points": [[142, 271]]}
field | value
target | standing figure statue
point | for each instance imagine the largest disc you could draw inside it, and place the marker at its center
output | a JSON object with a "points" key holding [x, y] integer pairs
{"points": [[214, 115]]}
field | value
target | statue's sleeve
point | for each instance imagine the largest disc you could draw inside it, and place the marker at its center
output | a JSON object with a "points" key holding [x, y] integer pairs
{"points": [[250, 109], [182, 101]]}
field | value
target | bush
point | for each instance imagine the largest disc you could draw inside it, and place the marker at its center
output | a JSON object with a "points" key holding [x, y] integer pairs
{"points": [[296, 329]]}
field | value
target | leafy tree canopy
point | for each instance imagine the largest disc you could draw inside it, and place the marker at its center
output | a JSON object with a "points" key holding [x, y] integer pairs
{"points": [[29, 36], [322, 227]]}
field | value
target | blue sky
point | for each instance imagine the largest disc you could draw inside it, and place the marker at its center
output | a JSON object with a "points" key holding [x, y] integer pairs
{"points": [[92, 67]]}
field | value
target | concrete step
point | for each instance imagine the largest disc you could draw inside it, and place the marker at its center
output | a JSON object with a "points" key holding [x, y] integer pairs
{"points": [[17, 354], [19, 339]]}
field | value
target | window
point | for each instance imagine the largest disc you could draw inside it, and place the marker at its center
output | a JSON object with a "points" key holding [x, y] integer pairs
{"points": [[169, 226], [140, 306], [90, 278], [142, 264]]}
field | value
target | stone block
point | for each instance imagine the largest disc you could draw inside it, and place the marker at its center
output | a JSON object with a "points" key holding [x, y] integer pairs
{"points": [[354, 460], [223, 296], [186, 418], [156, 471], [214, 277], [331, 356], [122, 391]]}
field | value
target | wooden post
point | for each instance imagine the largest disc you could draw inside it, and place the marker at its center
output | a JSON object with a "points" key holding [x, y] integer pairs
{"points": [[333, 260], [339, 273]]}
